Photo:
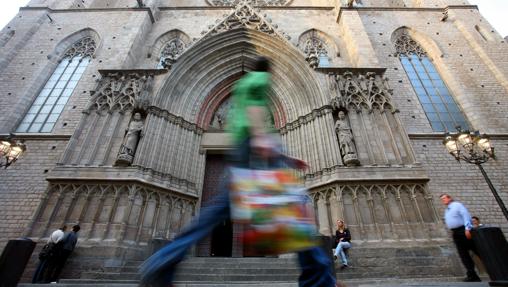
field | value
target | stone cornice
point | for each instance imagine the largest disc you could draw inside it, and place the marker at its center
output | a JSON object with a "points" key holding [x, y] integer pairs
{"points": [[410, 9], [257, 7], [370, 174], [107, 72], [38, 136], [130, 174], [441, 136], [341, 70], [144, 9]]}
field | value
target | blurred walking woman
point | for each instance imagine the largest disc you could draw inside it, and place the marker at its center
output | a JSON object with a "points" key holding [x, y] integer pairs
{"points": [[343, 241]]}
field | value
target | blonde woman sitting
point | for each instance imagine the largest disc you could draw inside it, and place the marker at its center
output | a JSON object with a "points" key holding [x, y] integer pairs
{"points": [[343, 241]]}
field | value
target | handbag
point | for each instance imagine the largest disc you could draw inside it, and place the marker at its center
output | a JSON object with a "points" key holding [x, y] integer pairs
{"points": [[274, 207], [47, 251]]}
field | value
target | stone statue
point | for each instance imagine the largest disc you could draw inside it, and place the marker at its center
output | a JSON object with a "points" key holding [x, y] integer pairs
{"points": [[130, 143], [346, 140]]}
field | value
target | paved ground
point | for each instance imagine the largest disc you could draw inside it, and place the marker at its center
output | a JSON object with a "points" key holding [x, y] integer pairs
{"points": [[349, 283]]}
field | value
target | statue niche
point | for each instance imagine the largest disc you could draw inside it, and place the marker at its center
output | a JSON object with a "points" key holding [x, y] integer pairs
{"points": [[130, 142], [346, 140]]}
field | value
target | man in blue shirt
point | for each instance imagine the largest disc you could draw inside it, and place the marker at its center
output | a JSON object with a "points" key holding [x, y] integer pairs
{"points": [[458, 220]]}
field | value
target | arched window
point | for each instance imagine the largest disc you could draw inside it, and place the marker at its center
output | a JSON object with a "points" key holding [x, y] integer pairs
{"points": [[50, 102], [441, 109], [316, 51]]}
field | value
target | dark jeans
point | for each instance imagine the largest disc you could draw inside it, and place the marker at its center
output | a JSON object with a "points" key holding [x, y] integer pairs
{"points": [[56, 266], [39, 272], [465, 245], [159, 269]]}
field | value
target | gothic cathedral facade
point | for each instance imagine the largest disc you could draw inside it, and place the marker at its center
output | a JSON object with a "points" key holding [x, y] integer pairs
{"points": [[122, 106]]}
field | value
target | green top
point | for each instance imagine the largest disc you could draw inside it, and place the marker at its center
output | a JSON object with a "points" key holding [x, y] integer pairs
{"points": [[251, 90]]}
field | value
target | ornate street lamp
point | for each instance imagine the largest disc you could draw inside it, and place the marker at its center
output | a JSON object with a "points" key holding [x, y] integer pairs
{"points": [[476, 149], [10, 151]]}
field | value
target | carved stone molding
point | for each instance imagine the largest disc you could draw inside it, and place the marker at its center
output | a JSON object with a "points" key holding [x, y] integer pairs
{"points": [[83, 48], [361, 91], [244, 16], [251, 2], [122, 91], [383, 211], [406, 46], [176, 120], [113, 212], [305, 119]]}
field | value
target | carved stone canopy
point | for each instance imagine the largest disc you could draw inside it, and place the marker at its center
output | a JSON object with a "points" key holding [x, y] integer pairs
{"points": [[251, 2], [122, 90], [361, 90]]}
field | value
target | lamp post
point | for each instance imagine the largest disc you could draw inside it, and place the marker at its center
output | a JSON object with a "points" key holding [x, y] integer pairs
{"points": [[10, 151], [474, 148]]}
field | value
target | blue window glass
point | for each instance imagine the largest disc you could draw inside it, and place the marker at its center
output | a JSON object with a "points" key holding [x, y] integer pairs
{"points": [[439, 106], [48, 105]]}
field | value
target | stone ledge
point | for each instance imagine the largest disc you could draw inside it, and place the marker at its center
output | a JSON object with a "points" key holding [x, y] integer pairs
{"points": [[371, 175], [98, 174]]}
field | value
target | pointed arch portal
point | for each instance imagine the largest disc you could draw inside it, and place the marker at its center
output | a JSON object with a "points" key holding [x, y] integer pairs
{"points": [[214, 63]]}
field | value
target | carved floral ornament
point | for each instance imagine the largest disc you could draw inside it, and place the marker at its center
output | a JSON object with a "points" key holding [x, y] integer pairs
{"points": [[122, 92], [245, 16], [406, 46], [83, 48], [367, 91], [314, 48], [251, 2], [172, 50]]}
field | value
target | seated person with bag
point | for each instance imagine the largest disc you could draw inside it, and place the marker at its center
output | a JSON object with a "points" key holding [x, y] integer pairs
{"points": [[343, 241]]}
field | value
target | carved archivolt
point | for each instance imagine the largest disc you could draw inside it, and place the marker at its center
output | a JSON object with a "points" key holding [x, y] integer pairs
{"points": [[244, 16], [251, 2], [176, 120], [406, 46], [379, 211], [113, 212], [83, 48], [305, 119], [363, 91], [121, 91]]}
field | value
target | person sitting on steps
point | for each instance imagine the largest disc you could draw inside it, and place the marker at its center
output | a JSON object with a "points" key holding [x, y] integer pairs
{"points": [[343, 241]]}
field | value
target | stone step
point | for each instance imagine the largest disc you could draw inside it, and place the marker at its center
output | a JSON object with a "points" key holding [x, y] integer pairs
{"points": [[379, 282]]}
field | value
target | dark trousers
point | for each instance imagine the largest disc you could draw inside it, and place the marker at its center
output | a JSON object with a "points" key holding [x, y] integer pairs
{"points": [[56, 266], [39, 272], [465, 245]]}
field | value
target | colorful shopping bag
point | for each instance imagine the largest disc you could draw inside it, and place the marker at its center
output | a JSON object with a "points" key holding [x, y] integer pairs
{"points": [[275, 208]]}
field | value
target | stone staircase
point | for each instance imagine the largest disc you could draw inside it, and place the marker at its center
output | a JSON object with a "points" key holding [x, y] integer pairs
{"points": [[367, 263]]}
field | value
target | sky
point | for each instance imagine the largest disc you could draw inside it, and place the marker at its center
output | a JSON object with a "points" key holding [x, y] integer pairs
{"points": [[494, 10]]}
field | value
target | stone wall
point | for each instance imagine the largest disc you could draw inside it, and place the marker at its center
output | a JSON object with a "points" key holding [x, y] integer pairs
{"points": [[471, 59]]}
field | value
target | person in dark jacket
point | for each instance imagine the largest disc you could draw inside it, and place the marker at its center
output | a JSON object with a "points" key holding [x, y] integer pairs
{"points": [[69, 243], [47, 253], [343, 241]]}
